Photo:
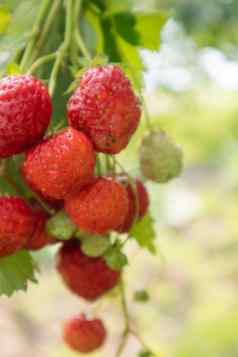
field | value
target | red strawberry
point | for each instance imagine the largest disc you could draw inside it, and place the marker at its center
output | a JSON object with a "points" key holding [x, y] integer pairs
{"points": [[40, 238], [16, 224], [85, 276], [25, 111], [99, 207], [84, 335], [142, 200], [60, 164], [105, 108]]}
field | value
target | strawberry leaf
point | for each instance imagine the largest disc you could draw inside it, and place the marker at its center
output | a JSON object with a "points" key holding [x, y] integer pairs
{"points": [[144, 233], [15, 272], [115, 258]]}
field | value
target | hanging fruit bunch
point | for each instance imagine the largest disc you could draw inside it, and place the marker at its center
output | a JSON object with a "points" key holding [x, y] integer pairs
{"points": [[61, 182]]}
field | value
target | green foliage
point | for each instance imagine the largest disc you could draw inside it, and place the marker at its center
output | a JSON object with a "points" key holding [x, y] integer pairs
{"points": [[148, 26], [125, 24], [115, 258], [144, 233], [110, 47], [95, 246], [15, 272], [60, 226], [121, 32], [111, 31], [17, 29], [140, 28]]}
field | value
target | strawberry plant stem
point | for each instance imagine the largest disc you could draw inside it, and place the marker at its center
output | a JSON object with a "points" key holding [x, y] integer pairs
{"points": [[62, 51], [127, 328], [41, 61], [43, 204], [77, 34], [35, 32], [126, 319], [146, 113], [48, 23]]}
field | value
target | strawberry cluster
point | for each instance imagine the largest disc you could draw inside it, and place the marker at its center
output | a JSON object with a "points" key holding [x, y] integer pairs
{"points": [[60, 168]]}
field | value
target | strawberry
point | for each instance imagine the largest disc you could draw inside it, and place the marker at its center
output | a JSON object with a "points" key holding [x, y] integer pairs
{"points": [[138, 202], [25, 111], [40, 238], [17, 224], [60, 164], [105, 108], [168, 161], [85, 276], [99, 207], [84, 335]]}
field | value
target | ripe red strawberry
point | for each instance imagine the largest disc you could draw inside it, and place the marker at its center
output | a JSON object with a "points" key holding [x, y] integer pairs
{"points": [[85, 276], [40, 238], [99, 207], [25, 111], [84, 335], [16, 224], [105, 108], [142, 200], [60, 164]]}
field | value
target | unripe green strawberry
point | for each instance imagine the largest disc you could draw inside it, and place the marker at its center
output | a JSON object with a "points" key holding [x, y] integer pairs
{"points": [[160, 158]]}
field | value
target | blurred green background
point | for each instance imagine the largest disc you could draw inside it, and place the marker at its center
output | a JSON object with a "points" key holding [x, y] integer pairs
{"points": [[191, 89]]}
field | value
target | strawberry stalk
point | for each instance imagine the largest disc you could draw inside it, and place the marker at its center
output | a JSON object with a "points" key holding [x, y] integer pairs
{"points": [[35, 33], [46, 29], [62, 51], [77, 36]]}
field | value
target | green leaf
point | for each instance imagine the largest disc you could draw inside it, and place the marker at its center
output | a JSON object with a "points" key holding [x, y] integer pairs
{"points": [[23, 18], [60, 226], [115, 258], [95, 23], [125, 23], [15, 272], [110, 47], [148, 26], [95, 246], [140, 29], [132, 61], [141, 296], [100, 4], [18, 30], [144, 232], [5, 18], [118, 6]]}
